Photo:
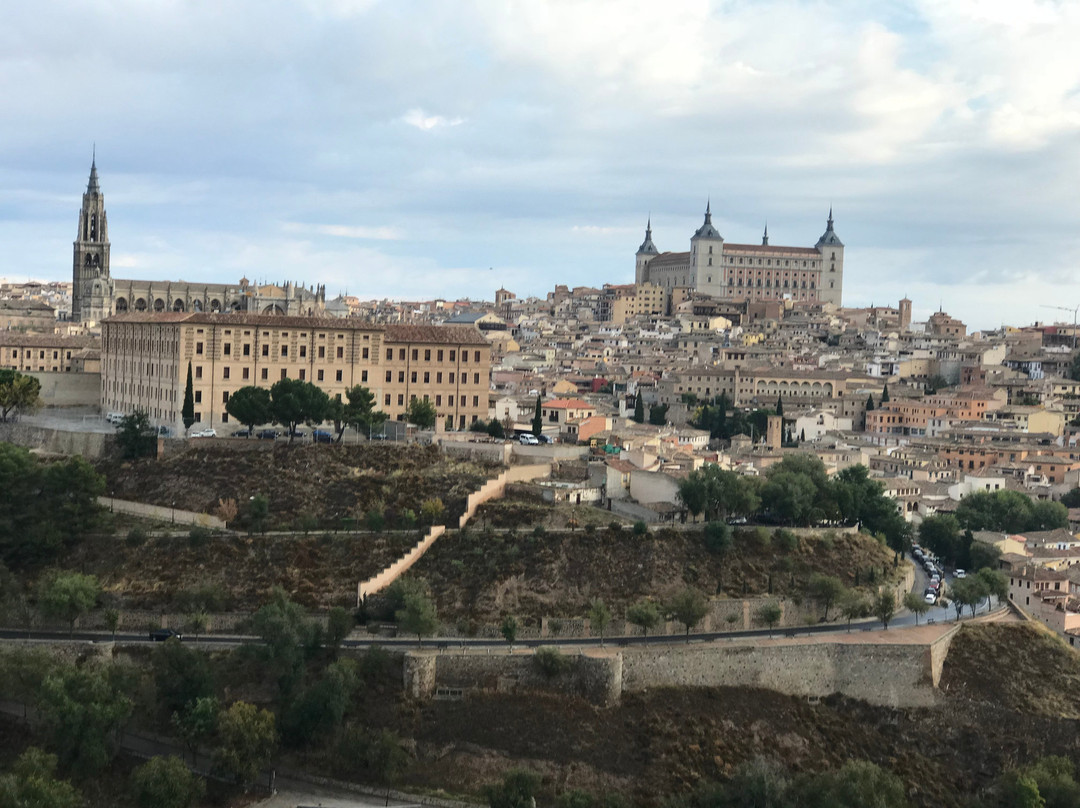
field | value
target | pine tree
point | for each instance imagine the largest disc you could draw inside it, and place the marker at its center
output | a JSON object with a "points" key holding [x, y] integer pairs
{"points": [[779, 406], [885, 394], [639, 409], [538, 420], [187, 412], [870, 402]]}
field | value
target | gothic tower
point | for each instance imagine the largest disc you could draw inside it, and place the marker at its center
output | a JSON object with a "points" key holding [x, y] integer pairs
{"points": [[646, 252], [92, 288], [707, 257], [831, 248]]}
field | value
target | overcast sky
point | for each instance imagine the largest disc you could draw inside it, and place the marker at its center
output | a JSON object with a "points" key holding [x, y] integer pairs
{"points": [[419, 149]]}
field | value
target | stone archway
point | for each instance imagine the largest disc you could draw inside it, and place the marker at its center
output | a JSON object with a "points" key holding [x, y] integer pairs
{"points": [[121, 305], [274, 309], [140, 304], [178, 305], [159, 305], [215, 305]]}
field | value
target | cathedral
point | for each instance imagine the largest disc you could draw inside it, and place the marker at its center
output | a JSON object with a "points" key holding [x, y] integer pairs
{"points": [[746, 271], [96, 295]]}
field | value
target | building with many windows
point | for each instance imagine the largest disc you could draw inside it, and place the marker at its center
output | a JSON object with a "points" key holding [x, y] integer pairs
{"points": [[145, 357], [746, 271]]}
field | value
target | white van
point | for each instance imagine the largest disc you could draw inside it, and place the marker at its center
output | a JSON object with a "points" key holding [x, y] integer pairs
{"points": [[114, 418]]}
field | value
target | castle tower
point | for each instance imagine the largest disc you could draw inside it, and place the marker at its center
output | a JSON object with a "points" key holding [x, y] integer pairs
{"points": [[832, 265], [645, 254], [905, 314], [92, 287], [707, 257]]}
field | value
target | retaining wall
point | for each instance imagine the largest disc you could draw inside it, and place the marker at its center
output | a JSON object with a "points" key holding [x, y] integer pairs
{"points": [[69, 389], [58, 441], [162, 513]]}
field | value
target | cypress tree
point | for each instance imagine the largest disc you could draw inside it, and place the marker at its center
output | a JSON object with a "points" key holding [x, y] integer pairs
{"points": [[779, 406], [639, 409], [187, 412], [885, 394], [538, 420], [870, 402]]}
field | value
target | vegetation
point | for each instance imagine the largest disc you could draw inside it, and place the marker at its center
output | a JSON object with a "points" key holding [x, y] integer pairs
{"points": [[599, 617], [136, 436], [422, 413], [294, 402], [68, 596], [770, 615], [250, 406], [18, 394], [166, 782], [1009, 512], [645, 614], [32, 783], [688, 606], [538, 420], [247, 738], [187, 409]]}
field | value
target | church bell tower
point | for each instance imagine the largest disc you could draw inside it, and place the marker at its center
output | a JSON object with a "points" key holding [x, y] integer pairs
{"points": [[92, 287]]}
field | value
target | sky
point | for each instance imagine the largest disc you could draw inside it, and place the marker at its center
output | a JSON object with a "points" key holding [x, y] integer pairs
{"points": [[413, 150]]}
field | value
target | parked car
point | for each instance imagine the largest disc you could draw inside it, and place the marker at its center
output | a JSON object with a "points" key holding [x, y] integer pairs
{"points": [[164, 432], [267, 434], [210, 432], [114, 418], [163, 634], [528, 440], [242, 433], [546, 439], [297, 433], [960, 574], [321, 436], [930, 598]]}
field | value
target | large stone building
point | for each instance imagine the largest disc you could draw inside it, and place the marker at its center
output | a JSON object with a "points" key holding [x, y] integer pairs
{"points": [[145, 357], [746, 271], [96, 294]]}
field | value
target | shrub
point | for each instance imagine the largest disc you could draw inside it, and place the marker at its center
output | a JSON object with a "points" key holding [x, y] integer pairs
{"points": [[641, 528], [136, 537], [785, 540], [539, 531], [551, 661], [199, 536], [615, 526], [590, 529]]}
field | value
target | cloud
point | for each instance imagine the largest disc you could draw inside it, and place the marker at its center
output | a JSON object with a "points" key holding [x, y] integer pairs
{"points": [[418, 118], [345, 231]]}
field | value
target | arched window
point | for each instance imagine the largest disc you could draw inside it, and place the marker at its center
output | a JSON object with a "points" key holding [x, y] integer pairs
{"points": [[159, 305], [178, 305]]}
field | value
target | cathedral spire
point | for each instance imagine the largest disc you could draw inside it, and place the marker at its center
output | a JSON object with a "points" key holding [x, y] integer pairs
{"points": [[707, 230], [647, 247], [92, 187], [765, 237]]}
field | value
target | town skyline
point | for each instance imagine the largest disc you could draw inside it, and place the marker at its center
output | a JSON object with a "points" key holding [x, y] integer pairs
{"points": [[537, 142]]}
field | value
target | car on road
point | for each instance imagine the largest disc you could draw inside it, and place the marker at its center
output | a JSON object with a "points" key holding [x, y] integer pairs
{"points": [[163, 634], [267, 434], [960, 574], [297, 433], [242, 433], [930, 598], [205, 433], [528, 440], [321, 436]]}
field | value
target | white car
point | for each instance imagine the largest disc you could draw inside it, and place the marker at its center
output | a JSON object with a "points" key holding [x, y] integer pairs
{"points": [[930, 598], [528, 440], [205, 433], [960, 574]]}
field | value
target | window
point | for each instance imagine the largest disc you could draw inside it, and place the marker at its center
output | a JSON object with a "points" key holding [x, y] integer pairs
{"points": [[265, 374], [438, 378], [198, 371], [322, 352], [224, 417], [266, 350], [198, 396], [400, 399], [412, 377], [438, 401], [303, 373], [284, 373], [340, 352], [364, 353], [284, 350], [401, 377], [198, 349], [338, 376], [303, 351], [439, 356], [363, 375], [415, 354], [386, 399], [389, 355], [476, 401], [476, 357], [427, 377], [401, 354], [225, 373], [453, 357], [463, 401], [389, 376], [427, 354], [247, 349], [225, 397], [451, 378], [245, 374], [319, 376], [464, 356], [228, 349]]}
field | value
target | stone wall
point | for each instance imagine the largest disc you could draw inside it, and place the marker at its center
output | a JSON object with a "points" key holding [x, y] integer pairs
{"points": [[69, 389], [58, 441], [162, 513]]}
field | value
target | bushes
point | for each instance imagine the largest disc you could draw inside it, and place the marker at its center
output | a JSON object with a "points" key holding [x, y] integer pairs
{"points": [[551, 662]]}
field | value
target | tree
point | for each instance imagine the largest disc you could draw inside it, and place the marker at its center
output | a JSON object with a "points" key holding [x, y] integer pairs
{"points": [[1018, 790], [854, 605], [916, 604], [538, 419], [111, 618], [941, 533], [658, 414], [422, 413], [856, 784], [247, 738], [198, 622], [320, 708], [718, 493], [136, 436], [982, 555], [250, 406], [294, 402], [289, 640], [826, 590], [645, 614], [779, 405], [68, 596], [689, 607], [360, 412], [599, 617], [517, 790], [165, 782], [718, 541], [936, 382], [18, 394], [417, 615], [32, 783], [885, 394], [770, 615], [994, 583], [495, 429], [187, 410], [509, 630], [1009, 512], [870, 403], [338, 625], [432, 510], [885, 607], [181, 675], [197, 723], [82, 710], [639, 409]]}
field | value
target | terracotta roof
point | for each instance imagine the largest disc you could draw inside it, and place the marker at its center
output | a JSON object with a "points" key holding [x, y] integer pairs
{"points": [[442, 335], [673, 258], [568, 404], [18, 339], [768, 249]]}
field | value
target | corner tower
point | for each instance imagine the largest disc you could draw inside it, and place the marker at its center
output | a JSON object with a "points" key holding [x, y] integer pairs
{"points": [[646, 252], [707, 257], [831, 286], [92, 287]]}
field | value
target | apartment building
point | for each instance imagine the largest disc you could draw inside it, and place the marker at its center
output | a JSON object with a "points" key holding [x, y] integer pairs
{"points": [[45, 353], [145, 357]]}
